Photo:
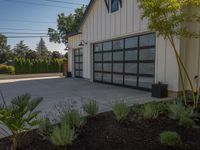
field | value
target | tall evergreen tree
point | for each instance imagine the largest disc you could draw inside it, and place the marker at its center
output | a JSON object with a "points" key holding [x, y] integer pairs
{"points": [[21, 49], [5, 52], [42, 49]]}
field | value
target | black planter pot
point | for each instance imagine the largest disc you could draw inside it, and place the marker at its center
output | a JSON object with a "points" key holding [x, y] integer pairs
{"points": [[159, 90]]}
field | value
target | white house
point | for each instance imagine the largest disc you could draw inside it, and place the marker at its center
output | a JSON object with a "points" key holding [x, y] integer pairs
{"points": [[114, 46]]}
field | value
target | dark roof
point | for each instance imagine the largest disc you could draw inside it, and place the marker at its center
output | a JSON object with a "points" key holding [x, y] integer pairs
{"points": [[83, 19]]}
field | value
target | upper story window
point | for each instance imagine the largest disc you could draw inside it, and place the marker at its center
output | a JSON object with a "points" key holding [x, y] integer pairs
{"points": [[114, 5]]}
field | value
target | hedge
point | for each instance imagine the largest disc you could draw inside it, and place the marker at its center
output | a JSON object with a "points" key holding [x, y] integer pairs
{"points": [[27, 66], [4, 69]]}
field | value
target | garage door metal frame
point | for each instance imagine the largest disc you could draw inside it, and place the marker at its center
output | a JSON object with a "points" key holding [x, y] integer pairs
{"points": [[78, 63], [138, 62]]}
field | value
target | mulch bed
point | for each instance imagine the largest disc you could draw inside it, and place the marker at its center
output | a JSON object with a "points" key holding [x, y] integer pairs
{"points": [[104, 133]]}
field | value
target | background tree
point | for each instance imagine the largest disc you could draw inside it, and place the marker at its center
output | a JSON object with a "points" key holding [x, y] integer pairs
{"points": [[21, 49], [42, 49], [31, 55], [169, 18], [66, 55], [56, 55], [65, 25], [5, 53]]}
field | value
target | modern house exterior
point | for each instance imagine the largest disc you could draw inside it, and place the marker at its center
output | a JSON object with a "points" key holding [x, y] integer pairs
{"points": [[114, 46]]}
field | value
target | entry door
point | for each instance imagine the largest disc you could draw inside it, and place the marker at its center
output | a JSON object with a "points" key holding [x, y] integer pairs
{"points": [[78, 63], [127, 62]]}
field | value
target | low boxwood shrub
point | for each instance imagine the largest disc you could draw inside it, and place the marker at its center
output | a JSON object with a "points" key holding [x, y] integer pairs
{"points": [[4, 69], [121, 111], [91, 108], [172, 139], [62, 134]]}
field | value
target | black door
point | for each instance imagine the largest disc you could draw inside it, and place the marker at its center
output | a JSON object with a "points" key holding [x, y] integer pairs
{"points": [[78, 63], [127, 62]]}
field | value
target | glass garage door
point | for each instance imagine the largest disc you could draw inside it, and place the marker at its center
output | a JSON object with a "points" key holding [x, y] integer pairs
{"points": [[78, 63], [128, 62]]}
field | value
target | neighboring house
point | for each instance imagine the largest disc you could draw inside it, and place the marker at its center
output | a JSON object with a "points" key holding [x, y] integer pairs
{"points": [[114, 46]]}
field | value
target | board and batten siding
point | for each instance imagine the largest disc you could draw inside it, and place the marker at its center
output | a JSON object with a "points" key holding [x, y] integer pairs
{"points": [[100, 25]]}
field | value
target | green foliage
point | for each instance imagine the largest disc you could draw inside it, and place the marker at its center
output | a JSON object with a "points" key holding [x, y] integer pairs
{"points": [[74, 119], [45, 128], [186, 122], [177, 110], [91, 108], [170, 139], [137, 108], [63, 135], [181, 113], [4, 69], [26, 66], [20, 116], [5, 52], [65, 25], [167, 17], [42, 49], [21, 49], [150, 111], [121, 111]]}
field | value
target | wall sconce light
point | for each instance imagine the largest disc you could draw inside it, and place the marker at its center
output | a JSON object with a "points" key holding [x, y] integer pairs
{"points": [[67, 47], [82, 43]]}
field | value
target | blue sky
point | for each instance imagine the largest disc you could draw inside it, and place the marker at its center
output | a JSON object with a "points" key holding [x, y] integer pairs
{"points": [[14, 12]]}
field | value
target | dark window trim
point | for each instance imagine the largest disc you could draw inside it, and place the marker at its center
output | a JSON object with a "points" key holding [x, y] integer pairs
{"points": [[116, 9]]}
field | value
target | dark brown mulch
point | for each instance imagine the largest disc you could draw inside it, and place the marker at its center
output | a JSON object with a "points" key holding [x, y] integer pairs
{"points": [[105, 133]]}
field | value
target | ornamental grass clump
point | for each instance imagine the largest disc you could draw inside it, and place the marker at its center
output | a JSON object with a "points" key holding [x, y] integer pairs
{"points": [[170, 139], [63, 134], [74, 119], [150, 112], [91, 108], [20, 117], [184, 115], [121, 111]]}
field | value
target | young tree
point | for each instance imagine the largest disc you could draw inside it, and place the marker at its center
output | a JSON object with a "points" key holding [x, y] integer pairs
{"points": [[21, 49], [169, 18], [65, 25], [42, 49]]}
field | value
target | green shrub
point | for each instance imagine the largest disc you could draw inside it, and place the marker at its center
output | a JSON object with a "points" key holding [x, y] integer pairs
{"points": [[138, 109], [20, 116], [63, 135], [74, 119], [150, 111], [171, 139], [91, 108], [45, 128], [4, 69], [186, 122], [121, 111], [177, 109]]}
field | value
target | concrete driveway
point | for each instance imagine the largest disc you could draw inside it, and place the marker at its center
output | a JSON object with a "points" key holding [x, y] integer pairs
{"points": [[65, 91]]}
